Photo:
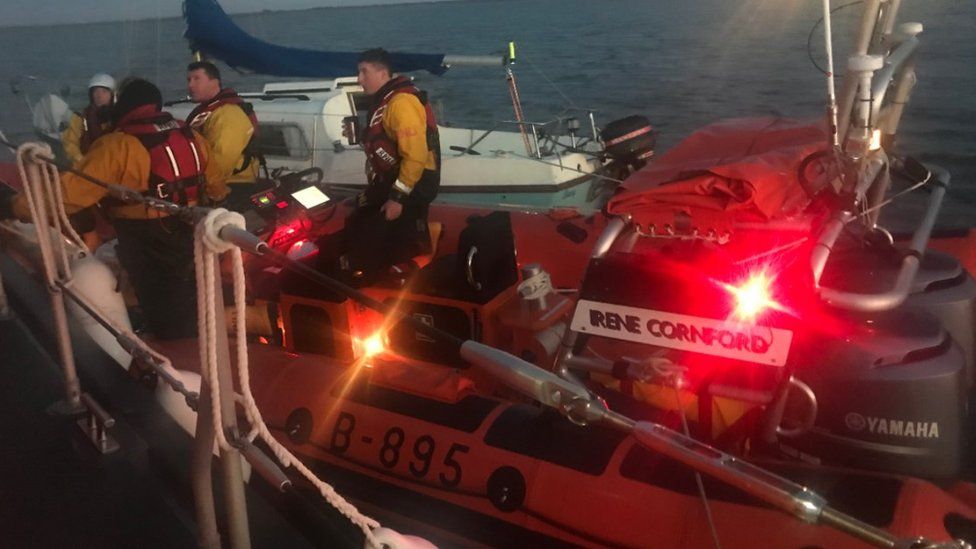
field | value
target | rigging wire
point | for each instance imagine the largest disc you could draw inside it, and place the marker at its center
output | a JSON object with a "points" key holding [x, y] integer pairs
{"points": [[676, 380], [549, 81], [814, 29], [893, 197], [158, 39]]}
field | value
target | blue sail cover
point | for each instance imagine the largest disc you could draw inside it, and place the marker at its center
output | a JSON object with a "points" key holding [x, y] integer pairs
{"points": [[211, 32]]}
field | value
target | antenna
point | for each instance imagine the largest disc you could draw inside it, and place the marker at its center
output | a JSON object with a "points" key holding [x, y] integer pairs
{"points": [[831, 94]]}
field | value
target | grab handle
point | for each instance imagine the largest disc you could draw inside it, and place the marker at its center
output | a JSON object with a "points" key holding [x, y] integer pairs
{"points": [[898, 293], [469, 270], [808, 421]]}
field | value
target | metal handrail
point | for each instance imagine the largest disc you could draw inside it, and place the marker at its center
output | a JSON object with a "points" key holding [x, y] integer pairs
{"points": [[894, 62], [901, 288], [533, 126]]}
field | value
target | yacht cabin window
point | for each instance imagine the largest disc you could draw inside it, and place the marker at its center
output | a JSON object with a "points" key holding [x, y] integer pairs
{"points": [[282, 140]]}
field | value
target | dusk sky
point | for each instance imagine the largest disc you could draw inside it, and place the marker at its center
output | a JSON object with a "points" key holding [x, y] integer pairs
{"points": [[52, 12]]}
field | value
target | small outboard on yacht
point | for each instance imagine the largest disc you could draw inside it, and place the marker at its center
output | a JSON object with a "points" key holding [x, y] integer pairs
{"points": [[630, 141]]}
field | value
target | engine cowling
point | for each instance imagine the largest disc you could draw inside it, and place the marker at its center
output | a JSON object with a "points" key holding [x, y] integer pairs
{"points": [[629, 140]]}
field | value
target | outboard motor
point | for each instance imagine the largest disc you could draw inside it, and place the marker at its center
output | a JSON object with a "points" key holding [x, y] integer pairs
{"points": [[890, 395], [881, 391], [941, 288], [629, 141], [893, 392]]}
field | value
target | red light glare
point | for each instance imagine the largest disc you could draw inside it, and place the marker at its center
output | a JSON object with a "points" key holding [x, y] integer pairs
{"points": [[282, 205], [372, 345], [753, 297]]}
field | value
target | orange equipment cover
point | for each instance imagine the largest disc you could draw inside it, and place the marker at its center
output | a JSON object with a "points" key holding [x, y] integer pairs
{"points": [[735, 170]]}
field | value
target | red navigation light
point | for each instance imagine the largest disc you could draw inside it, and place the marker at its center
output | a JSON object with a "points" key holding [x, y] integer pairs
{"points": [[753, 296], [282, 205]]}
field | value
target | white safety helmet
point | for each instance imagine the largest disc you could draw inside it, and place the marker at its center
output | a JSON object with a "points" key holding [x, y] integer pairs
{"points": [[102, 80]]}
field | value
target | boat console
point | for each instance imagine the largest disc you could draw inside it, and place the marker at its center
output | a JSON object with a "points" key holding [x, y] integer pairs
{"points": [[471, 292], [281, 201]]}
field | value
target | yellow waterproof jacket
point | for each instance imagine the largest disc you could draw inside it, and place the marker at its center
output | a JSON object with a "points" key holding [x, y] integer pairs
{"points": [[228, 130], [71, 138], [405, 121], [120, 158]]}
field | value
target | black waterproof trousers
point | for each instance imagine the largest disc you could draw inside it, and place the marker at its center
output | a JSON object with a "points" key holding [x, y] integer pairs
{"points": [[158, 255], [369, 245]]}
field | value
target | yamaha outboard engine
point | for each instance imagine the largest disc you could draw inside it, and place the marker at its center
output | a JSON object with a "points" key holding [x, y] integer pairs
{"points": [[893, 391], [890, 395], [882, 391]]}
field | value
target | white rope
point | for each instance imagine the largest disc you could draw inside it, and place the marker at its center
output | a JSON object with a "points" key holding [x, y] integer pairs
{"points": [[44, 199], [211, 226], [207, 244], [32, 191], [206, 326], [58, 200], [47, 197], [55, 198]]}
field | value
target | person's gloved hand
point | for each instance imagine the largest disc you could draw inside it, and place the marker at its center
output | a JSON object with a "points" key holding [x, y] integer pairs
{"points": [[7, 202], [392, 210], [208, 201]]}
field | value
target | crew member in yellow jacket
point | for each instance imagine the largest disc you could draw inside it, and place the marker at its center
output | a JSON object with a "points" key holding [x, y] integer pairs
{"points": [[229, 125], [92, 122], [403, 161], [156, 155]]}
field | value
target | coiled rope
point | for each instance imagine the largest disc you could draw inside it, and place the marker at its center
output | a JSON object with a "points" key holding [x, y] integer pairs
{"points": [[46, 206]]}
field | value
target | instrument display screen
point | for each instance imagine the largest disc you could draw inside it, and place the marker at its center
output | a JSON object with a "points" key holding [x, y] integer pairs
{"points": [[310, 197]]}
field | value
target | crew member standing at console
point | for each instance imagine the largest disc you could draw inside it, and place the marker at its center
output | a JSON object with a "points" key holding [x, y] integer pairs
{"points": [[229, 125], [403, 161]]}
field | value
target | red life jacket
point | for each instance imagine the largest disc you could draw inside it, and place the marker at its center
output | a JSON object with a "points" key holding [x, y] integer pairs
{"points": [[382, 158], [176, 166], [91, 127], [227, 96]]}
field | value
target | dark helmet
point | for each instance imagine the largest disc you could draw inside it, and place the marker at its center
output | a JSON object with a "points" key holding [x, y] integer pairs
{"points": [[136, 93]]}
